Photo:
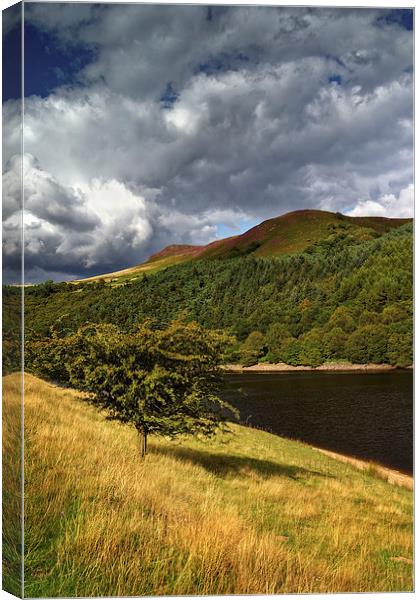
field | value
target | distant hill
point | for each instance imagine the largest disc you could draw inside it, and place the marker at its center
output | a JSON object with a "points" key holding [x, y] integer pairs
{"points": [[287, 234], [346, 297]]}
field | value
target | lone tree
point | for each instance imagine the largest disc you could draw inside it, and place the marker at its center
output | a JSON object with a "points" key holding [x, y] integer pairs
{"points": [[164, 382]]}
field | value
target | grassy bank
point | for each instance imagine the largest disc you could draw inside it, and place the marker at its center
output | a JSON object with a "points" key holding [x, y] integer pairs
{"points": [[243, 513]]}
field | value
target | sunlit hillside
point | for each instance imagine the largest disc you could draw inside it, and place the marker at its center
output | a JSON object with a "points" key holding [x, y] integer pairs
{"points": [[287, 234], [244, 513]]}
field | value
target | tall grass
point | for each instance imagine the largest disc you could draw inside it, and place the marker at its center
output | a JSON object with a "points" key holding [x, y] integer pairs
{"points": [[243, 513], [12, 485]]}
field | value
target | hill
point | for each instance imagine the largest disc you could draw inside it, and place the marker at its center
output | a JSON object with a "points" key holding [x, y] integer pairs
{"points": [[287, 234], [243, 513], [342, 299], [294, 232]]}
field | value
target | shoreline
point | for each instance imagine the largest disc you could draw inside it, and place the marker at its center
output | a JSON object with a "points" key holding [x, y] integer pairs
{"points": [[392, 476], [284, 368]]}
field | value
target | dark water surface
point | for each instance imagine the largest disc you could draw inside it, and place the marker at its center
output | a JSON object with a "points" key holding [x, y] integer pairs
{"points": [[367, 415]]}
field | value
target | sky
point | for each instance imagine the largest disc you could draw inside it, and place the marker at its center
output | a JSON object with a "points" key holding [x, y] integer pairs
{"points": [[149, 125]]}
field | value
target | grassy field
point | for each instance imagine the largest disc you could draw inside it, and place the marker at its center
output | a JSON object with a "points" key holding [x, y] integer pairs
{"points": [[244, 513], [12, 484]]}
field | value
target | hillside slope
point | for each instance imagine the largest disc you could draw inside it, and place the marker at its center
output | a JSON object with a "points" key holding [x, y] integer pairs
{"points": [[243, 513], [295, 232], [339, 300], [287, 234]]}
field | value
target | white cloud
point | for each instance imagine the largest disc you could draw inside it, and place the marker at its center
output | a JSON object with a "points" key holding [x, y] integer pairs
{"points": [[388, 205], [125, 223]]}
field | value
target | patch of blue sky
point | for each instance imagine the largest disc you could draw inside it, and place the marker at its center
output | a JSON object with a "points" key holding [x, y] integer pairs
{"points": [[12, 64], [224, 231], [399, 16], [335, 78], [169, 96], [48, 65]]}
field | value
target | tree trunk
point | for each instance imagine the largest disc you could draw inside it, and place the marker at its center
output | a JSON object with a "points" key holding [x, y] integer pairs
{"points": [[142, 442]]}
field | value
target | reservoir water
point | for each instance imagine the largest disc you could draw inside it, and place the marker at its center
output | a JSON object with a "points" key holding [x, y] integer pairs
{"points": [[366, 415]]}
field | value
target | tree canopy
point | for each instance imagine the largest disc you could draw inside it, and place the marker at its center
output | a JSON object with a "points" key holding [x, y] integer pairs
{"points": [[161, 381]]}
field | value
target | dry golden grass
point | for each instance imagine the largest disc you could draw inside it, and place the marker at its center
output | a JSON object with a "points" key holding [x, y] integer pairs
{"points": [[132, 273], [243, 513], [12, 484]]}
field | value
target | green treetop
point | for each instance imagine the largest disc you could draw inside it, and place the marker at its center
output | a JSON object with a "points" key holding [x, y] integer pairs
{"points": [[163, 382]]}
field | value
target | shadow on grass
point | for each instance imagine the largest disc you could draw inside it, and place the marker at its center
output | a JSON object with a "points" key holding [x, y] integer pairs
{"points": [[223, 465]]}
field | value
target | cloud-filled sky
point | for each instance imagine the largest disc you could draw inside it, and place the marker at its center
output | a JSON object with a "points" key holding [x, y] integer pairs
{"points": [[151, 125]]}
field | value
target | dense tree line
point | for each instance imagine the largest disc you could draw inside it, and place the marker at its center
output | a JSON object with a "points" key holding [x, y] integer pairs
{"points": [[342, 299], [11, 328]]}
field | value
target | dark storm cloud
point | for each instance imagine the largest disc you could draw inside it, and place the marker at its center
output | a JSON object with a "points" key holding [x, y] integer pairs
{"points": [[188, 118]]}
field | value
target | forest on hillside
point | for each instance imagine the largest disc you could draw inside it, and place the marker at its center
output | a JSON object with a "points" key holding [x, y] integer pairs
{"points": [[340, 300]]}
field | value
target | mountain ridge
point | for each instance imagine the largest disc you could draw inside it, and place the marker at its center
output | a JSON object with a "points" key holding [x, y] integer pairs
{"points": [[289, 233]]}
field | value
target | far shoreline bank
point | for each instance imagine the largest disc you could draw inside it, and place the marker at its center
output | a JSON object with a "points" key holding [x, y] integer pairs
{"points": [[335, 367]]}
